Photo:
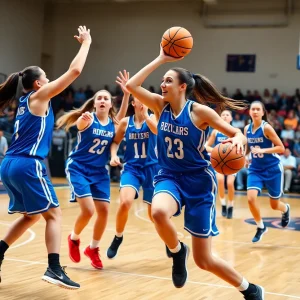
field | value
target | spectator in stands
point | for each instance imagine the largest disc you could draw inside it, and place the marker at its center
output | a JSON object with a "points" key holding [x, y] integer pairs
{"points": [[69, 101], [275, 96], [224, 92], [296, 149], [291, 120], [288, 133], [89, 93], [79, 98], [238, 95], [283, 102], [249, 97], [237, 122], [289, 166], [257, 96]]}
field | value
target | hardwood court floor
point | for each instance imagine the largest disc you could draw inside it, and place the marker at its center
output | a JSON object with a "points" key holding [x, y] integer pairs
{"points": [[141, 270]]}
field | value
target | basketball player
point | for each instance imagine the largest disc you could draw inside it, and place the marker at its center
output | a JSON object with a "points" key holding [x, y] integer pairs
{"points": [[140, 165], [265, 167], [22, 171], [215, 138], [85, 168], [186, 177]]}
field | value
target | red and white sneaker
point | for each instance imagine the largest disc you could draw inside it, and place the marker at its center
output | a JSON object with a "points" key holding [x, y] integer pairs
{"points": [[74, 252], [94, 256]]}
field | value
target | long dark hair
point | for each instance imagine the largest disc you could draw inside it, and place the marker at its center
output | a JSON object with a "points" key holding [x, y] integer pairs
{"points": [[265, 116], [205, 92], [70, 118], [15, 83]]}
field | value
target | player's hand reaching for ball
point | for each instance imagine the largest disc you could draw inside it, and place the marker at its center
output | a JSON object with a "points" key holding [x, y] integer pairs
{"points": [[167, 58], [84, 35]]}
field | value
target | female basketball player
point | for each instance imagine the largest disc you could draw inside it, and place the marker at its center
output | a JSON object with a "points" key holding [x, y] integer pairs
{"points": [[186, 177], [85, 167], [22, 171], [140, 165], [265, 167], [215, 138]]}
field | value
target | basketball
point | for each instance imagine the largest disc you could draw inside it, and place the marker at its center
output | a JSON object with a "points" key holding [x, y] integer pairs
{"points": [[177, 42], [226, 161]]}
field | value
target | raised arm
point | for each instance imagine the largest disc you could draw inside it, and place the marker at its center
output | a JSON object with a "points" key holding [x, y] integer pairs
{"points": [[47, 91], [121, 81], [134, 85], [120, 132], [210, 142]]}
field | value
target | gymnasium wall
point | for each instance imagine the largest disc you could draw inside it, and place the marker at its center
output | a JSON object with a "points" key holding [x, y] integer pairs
{"points": [[21, 34]]}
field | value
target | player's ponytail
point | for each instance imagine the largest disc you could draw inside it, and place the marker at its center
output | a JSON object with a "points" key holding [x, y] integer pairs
{"points": [[205, 92], [265, 116], [69, 119], [8, 90], [11, 89]]}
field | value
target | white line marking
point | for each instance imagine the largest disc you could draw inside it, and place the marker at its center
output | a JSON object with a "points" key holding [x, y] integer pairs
{"points": [[151, 276], [31, 238]]}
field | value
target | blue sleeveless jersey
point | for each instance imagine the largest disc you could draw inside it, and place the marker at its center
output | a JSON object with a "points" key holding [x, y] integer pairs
{"points": [[220, 137], [32, 134], [258, 140], [93, 144], [140, 145], [180, 143]]}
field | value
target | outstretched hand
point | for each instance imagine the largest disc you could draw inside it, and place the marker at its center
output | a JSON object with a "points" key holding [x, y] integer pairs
{"points": [[83, 35], [122, 80]]}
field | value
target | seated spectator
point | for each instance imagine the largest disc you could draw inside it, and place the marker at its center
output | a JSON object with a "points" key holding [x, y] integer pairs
{"points": [[288, 133], [291, 120], [237, 122], [297, 133], [69, 101], [89, 93], [249, 97], [296, 149], [275, 96], [289, 165], [79, 98], [238, 95], [256, 96], [224, 92]]}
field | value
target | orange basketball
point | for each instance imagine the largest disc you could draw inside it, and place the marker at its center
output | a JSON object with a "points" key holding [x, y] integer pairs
{"points": [[226, 161], [177, 42]]}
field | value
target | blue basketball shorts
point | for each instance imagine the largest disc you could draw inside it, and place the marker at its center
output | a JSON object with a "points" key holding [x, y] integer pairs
{"points": [[137, 177], [272, 178], [88, 181], [28, 186], [197, 192]]}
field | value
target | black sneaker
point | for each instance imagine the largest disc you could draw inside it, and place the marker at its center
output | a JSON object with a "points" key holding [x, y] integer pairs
{"points": [[229, 212], [1, 260], [179, 269], [61, 280], [259, 294], [285, 219], [224, 211], [112, 251], [259, 233], [168, 252]]}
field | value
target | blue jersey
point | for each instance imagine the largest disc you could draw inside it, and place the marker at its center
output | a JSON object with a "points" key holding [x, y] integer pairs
{"points": [[140, 145], [220, 137], [33, 134], [93, 144], [259, 140], [180, 143]]}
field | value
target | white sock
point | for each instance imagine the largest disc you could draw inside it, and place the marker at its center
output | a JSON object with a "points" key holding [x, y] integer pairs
{"points": [[260, 224], [118, 234], [176, 249], [286, 208], [230, 203], [244, 285], [223, 201], [94, 244], [74, 236]]}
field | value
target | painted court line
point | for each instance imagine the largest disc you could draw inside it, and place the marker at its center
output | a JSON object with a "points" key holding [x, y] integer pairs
{"points": [[150, 276], [31, 237]]}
